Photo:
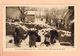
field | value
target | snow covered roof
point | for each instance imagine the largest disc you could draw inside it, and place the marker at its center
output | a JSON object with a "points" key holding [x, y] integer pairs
{"points": [[31, 12]]}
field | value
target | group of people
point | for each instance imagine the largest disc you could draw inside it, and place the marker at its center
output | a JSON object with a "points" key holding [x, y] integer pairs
{"points": [[49, 38]]}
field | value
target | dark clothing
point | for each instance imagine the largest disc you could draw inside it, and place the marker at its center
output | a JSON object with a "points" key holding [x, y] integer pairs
{"points": [[47, 39], [54, 35], [32, 38], [17, 37], [38, 39]]}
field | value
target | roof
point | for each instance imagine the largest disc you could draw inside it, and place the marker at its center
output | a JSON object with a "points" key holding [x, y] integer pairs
{"points": [[31, 12]]}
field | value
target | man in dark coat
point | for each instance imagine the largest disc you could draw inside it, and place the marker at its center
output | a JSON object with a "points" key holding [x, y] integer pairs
{"points": [[17, 36], [32, 37], [54, 36]]}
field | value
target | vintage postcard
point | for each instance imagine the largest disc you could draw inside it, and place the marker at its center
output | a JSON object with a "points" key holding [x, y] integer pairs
{"points": [[39, 28], [42, 27]]}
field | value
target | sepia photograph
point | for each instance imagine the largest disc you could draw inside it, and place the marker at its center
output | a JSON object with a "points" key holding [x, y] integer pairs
{"points": [[39, 27]]}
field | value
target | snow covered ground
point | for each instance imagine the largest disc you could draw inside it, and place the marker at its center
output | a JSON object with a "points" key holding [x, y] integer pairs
{"points": [[25, 45]]}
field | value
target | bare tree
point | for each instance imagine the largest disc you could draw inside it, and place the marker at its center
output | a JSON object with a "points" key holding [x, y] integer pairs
{"points": [[23, 13]]}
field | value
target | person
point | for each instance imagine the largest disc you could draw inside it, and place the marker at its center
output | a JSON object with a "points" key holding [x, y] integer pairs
{"points": [[32, 38], [17, 36], [54, 36], [47, 39]]}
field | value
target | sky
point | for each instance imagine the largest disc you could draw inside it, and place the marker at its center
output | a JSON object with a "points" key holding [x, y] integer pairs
{"points": [[13, 12]]}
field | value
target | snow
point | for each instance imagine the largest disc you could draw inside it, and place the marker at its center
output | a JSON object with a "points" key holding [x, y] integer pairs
{"points": [[40, 45], [25, 45]]}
